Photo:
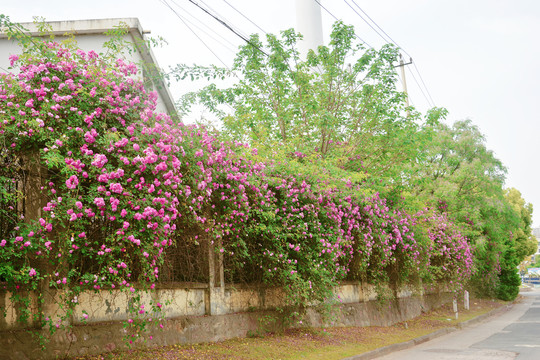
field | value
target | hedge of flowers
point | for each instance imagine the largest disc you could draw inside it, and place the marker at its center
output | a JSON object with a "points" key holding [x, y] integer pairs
{"points": [[125, 183], [110, 202]]}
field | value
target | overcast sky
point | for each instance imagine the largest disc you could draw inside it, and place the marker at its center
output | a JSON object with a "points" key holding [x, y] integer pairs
{"points": [[478, 58]]}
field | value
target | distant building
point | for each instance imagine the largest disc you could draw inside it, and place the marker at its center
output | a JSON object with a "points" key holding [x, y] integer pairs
{"points": [[90, 35]]}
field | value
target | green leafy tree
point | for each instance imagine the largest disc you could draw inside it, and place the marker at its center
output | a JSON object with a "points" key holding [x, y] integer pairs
{"points": [[526, 243], [336, 114], [458, 173], [461, 177]]}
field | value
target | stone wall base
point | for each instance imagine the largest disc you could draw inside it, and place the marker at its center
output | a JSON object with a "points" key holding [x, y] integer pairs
{"points": [[105, 337]]}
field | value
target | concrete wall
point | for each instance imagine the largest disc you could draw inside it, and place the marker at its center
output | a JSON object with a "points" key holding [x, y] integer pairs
{"points": [[104, 306], [112, 305], [234, 312]]}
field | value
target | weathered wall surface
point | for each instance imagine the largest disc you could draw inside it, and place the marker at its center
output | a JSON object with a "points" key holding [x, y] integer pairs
{"points": [[198, 315]]}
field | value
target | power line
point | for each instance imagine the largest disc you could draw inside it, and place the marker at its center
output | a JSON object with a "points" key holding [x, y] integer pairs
{"points": [[328, 11], [380, 28], [432, 103], [245, 17], [422, 91], [403, 81], [223, 18], [228, 27], [233, 46], [194, 33], [427, 90], [361, 17]]}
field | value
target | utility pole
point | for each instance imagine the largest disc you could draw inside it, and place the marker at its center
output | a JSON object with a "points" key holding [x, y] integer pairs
{"points": [[402, 66], [309, 24]]}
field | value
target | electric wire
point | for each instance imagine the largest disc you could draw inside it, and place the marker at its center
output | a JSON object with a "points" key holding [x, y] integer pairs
{"points": [[233, 46], [194, 33], [244, 38], [361, 17], [421, 79], [184, 20], [422, 91], [431, 103], [384, 32], [411, 102], [223, 18], [245, 17], [328, 11], [225, 24]]}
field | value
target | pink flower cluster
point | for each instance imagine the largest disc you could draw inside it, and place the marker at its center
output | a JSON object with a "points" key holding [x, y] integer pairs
{"points": [[135, 182]]}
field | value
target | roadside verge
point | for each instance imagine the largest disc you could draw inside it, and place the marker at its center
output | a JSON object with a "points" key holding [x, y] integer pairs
{"points": [[425, 338]]}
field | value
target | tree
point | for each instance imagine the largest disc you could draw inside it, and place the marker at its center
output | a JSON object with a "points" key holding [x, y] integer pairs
{"points": [[457, 172], [338, 116], [335, 115], [461, 177], [526, 243]]}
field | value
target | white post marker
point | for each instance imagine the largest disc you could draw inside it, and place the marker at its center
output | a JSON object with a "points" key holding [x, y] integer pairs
{"points": [[466, 300], [455, 308]]}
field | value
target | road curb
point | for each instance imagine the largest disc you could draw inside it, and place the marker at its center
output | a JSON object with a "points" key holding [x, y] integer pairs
{"points": [[481, 318], [422, 339]]}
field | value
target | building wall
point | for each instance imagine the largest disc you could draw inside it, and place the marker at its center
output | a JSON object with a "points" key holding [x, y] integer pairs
{"points": [[89, 35]]}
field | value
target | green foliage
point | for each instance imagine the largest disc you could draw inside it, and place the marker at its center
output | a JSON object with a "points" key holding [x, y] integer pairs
{"points": [[318, 175], [525, 242], [508, 288], [458, 175], [337, 115], [535, 264], [65, 121]]}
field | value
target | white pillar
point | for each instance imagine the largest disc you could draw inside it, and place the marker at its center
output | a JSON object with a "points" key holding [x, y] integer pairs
{"points": [[309, 24]]}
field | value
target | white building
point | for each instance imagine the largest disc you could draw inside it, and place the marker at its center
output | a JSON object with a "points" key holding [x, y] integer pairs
{"points": [[90, 35]]}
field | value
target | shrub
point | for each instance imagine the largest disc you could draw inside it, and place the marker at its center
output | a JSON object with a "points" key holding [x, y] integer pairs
{"points": [[121, 185]]}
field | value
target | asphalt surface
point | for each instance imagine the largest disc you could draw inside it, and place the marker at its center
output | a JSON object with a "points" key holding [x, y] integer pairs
{"points": [[514, 334]]}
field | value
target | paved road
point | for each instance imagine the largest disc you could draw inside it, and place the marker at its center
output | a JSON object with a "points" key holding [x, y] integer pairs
{"points": [[512, 335]]}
